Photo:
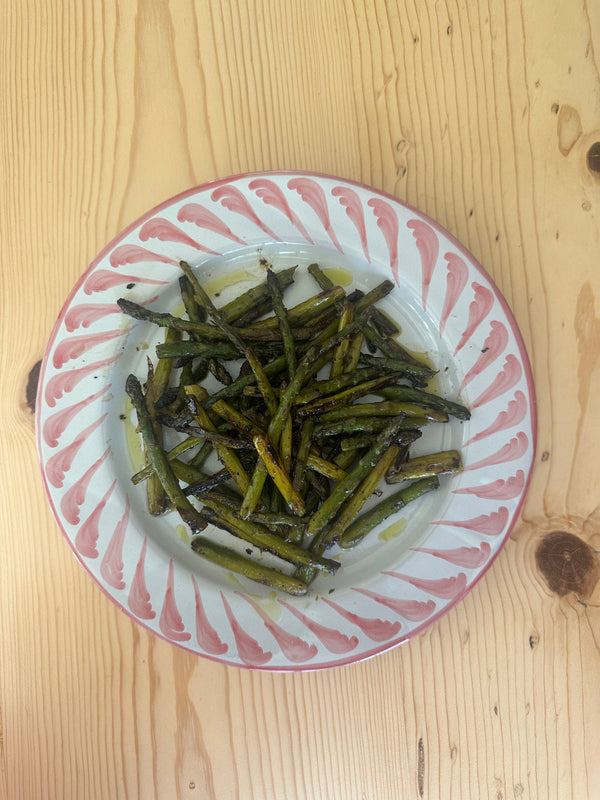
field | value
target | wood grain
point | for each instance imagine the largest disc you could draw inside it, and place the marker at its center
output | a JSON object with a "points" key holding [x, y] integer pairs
{"points": [[481, 115]]}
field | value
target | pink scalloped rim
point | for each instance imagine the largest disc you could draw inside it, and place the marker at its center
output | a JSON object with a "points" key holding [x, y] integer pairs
{"points": [[309, 204]]}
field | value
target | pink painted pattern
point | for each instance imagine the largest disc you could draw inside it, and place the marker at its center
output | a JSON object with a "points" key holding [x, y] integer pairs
{"points": [[206, 636], [428, 246], [412, 610], [498, 490], [479, 309], [74, 497], [111, 567], [57, 423], [456, 280], [493, 347], [335, 641], [203, 218], [271, 194], [293, 647], [87, 535], [249, 649], [508, 377], [60, 463], [231, 198], [85, 314], [514, 415], [76, 346], [468, 557], [160, 228], [139, 596], [354, 211], [511, 451], [170, 622], [134, 254], [65, 382], [103, 279], [314, 196], [326, 625], [387, 222], [378, 630], [489, 524], [446, 588]]}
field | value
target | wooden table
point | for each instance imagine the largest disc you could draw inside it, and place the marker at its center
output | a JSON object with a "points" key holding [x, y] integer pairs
{"points": [[485, 116]]}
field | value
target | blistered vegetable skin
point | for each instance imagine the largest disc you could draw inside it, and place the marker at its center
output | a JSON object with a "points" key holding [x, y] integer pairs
{"points": [[301, 456]]}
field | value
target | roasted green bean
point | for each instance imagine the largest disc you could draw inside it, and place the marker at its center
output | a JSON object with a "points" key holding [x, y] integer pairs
{"points": [[300, 455]]}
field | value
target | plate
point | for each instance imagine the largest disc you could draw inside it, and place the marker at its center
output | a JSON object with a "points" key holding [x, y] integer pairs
{"points": [[412, 569]]}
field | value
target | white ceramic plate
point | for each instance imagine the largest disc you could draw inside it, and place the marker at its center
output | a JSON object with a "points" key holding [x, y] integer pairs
{"points": [[407, 573]]}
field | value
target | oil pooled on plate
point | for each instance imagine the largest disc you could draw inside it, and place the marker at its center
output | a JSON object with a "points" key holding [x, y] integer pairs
{"points": [[393, 530]]}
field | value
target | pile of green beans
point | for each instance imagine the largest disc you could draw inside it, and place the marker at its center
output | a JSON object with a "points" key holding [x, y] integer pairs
{"points": [[318, 405]]}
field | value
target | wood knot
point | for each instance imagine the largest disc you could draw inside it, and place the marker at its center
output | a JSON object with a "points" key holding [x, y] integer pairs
{"points": [[32, 385], [568, 128], [593, 158], [567, 563]]}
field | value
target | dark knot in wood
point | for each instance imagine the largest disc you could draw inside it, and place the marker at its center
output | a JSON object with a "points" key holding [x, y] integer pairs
{"points": [[567, 563], [593, 158], [32, 385]]}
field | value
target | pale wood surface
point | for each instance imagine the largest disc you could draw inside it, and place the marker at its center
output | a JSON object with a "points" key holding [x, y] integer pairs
{"points": [[481, 114]]}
